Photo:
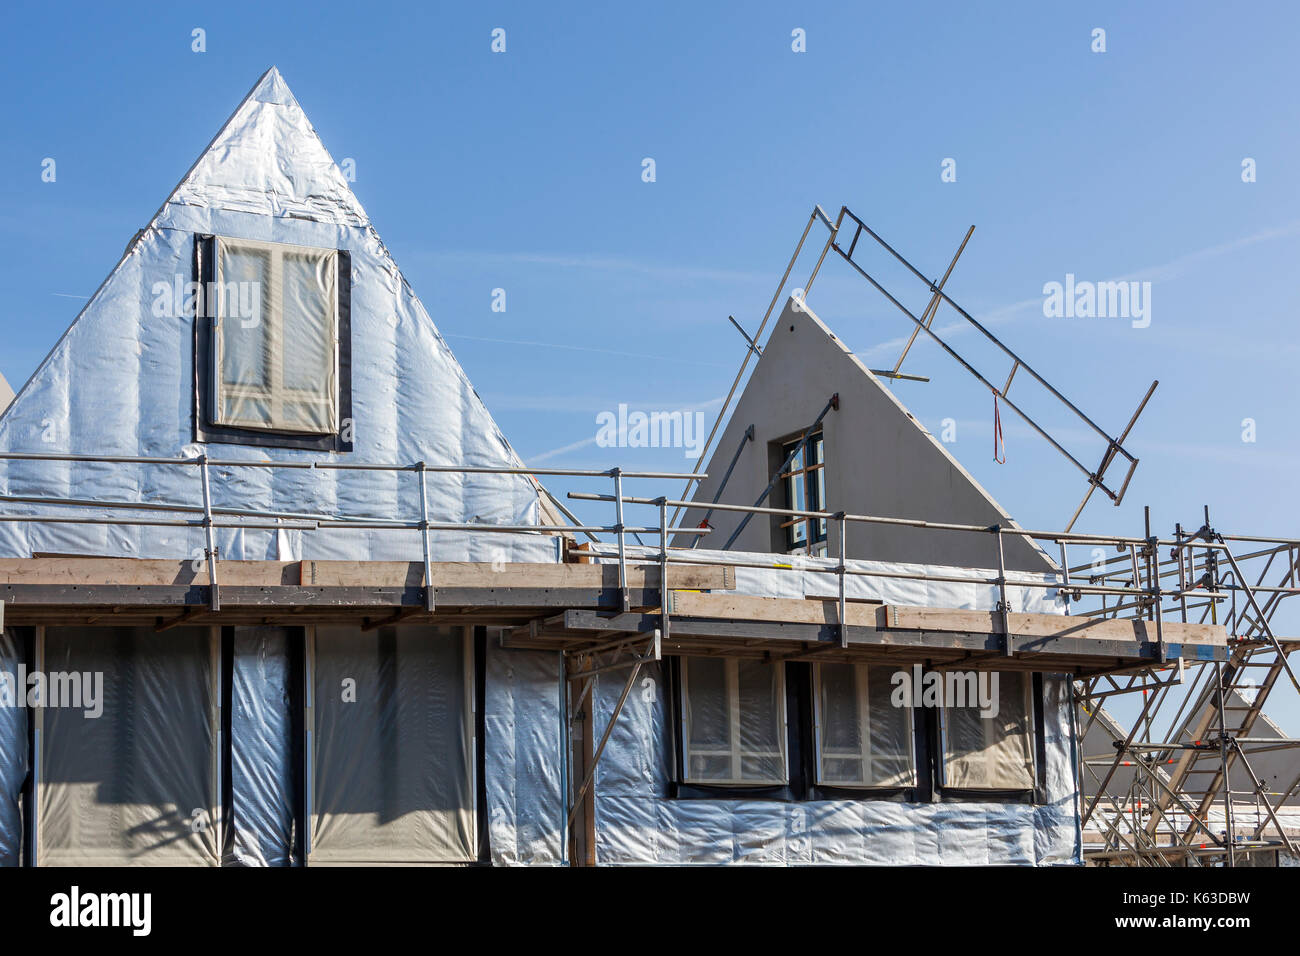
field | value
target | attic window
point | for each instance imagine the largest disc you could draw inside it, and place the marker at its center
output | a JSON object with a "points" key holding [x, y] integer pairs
{"points": [[275, 337], [805, 490]]}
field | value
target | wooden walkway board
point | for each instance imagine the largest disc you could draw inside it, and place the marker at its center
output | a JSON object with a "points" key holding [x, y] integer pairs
{"points": [[895, 617], [137, 572]]}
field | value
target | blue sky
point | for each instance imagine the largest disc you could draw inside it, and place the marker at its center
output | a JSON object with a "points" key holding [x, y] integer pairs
{"points": [[523, 171]]}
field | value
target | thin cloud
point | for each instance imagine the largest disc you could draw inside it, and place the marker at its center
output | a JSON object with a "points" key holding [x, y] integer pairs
{"points": [[581, 348], [584, 443], [603, 264]]}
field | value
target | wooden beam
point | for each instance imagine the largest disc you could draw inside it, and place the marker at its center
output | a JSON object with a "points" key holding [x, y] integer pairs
{"points": [[790, 610], [899, 617], [895, 617], [85, 572], [983, 648]]}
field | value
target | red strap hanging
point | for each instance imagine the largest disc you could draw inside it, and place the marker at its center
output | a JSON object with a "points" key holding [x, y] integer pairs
{"points": [[998, 441]]}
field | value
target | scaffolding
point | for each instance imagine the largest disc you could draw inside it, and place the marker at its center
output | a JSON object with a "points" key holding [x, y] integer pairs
{"points": [[1179, 805], [844, 238], [1169, 813], [1157, 602]]}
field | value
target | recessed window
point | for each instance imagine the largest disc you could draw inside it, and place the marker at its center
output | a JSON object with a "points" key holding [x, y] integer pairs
{"points": [[993, 752], [733, 722], [133, 780], [275, 337], [805, 490], [391, 764], [863, 740]]}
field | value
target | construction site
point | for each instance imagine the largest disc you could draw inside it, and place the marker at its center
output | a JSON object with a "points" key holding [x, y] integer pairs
{"points": [[339, 621]]}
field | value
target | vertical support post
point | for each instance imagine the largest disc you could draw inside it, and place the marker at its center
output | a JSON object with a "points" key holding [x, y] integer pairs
{"points": [[665, 596], [38, 749], [566, 763], [1158, 611], [309, 727], [1211, 564], [1182, 571], [1229, 835], [581, 819], [214, 589], [1003, 605], [604, 739], [844, 623], [429, 603], [1065, 575], [217, 657], [1152, 567], [622, 545]]}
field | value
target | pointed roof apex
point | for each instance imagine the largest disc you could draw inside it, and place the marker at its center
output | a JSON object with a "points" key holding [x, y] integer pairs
{"points": [[266, 160], [271, 88]]}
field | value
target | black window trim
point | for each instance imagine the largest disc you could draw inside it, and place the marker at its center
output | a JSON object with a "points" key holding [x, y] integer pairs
{"points": [[801, 785], [1034, 796], [816, 531], [204, 431]]}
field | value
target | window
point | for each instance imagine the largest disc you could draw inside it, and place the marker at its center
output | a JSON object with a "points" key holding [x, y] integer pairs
{"points": [[133, 779], [392, 751], [994, 752], [862, 739], [805, 490], [733, 721], [275, 337]]}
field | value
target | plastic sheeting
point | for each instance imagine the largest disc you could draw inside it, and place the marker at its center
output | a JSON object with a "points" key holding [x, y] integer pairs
{"points": [[733, 721], [263, 784], [994, 752], [137, 784], [13, 752], [799, 576], [275, 338], [392, 746], [121, 382], [636, 822], [525, 762], [863, 740]]}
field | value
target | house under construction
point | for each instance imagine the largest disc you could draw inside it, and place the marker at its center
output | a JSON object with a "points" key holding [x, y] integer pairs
{"points": [[337, 620]]}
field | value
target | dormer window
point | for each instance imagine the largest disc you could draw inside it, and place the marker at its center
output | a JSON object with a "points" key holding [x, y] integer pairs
{"points": [[275, 337]]}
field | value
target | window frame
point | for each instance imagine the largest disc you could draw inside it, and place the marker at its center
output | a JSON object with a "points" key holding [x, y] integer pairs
{"points": [[802, 769], [473, 684], [1032, 691], [812, 476], [276, 393], [204, 430], [861, 671], [735, 752]]}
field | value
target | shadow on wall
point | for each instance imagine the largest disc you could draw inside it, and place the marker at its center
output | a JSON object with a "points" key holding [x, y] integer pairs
{"points": [[391, 752]]}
